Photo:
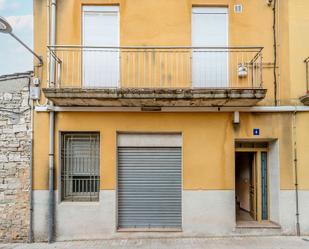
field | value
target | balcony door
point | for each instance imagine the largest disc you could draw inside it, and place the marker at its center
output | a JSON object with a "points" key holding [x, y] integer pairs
{"points": [[100, 32], [210, 29]]}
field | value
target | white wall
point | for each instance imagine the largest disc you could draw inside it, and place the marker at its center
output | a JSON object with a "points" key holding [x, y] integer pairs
{"points": [[209, 212], [40, 215], [205, 213], [287, 212], [87, 220], [304, 211], [274, 181]]}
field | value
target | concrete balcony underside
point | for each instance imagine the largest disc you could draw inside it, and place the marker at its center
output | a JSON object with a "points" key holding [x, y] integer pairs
{"points": [[305, 99], [154, 97]]}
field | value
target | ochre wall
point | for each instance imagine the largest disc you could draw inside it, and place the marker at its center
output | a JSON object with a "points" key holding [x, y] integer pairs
{"points": [[293, 48], [208, 138], [299, 45], [298, 50], [208, 143], [161, 22]]}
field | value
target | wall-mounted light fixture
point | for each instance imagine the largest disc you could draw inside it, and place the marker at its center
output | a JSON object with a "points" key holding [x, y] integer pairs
{"points": [[6, 28], [269, 2], [236, 119]]}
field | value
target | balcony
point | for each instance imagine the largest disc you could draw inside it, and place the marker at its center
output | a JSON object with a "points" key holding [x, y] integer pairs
{"points": [[305, 99], [155, 76]]}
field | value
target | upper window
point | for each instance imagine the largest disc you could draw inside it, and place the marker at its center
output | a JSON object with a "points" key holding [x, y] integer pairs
{"points": [[210, 68], [80, 170], [101, 41]]}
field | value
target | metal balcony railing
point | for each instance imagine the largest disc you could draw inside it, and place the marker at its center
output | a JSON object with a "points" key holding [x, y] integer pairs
{"points": [[156, 67], [307, 74]]}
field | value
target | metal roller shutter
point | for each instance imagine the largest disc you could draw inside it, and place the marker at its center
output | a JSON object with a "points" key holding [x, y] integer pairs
{"points": [[149, 187]]}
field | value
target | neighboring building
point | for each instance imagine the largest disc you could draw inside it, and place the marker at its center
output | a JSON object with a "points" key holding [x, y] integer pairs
{"points": [[171, 118], [15, 157]]}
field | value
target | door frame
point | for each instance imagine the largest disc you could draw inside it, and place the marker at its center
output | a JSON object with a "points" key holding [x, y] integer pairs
{"points": [[258, 162]]}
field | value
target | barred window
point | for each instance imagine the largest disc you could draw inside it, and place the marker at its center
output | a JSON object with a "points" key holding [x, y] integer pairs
{"points": [[80, 177]]}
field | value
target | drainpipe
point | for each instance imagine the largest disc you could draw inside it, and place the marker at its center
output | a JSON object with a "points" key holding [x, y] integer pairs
{"points": [[48, 21], [51, 197], [273, 3], [30, 102], [296, 175], [278, 53], [275, 51]]}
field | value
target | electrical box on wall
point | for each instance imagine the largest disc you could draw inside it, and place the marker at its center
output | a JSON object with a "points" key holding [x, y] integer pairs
{"points": [[35, 93]]}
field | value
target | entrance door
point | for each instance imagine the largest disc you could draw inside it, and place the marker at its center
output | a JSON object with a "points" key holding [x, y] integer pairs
{"points": [[246, 186], [149, 182], [264, 185], [209, 29], [253, 185], [100, 28], [251, 182]]}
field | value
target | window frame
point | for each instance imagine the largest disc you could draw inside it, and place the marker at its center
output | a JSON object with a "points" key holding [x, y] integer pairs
{"points": [[90, 196]]}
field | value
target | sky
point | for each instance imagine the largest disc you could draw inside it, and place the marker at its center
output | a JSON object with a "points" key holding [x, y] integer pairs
{"points": [[14, 58]]}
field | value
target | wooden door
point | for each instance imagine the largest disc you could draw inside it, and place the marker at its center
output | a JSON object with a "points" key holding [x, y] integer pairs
{"points": [[253, 186]]}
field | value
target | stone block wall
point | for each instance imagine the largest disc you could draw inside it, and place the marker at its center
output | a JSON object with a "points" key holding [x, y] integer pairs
{"points": [[15, 153]]}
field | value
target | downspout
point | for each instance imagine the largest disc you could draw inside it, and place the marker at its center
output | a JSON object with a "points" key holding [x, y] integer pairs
{"points": [[48, 21], [30, 102], [278, 54], [296, 174], [32, 108], [51, 197], [275, 51]]}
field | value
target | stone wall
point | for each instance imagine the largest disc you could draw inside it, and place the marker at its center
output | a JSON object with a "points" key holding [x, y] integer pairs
{"points": [[15, 153]]}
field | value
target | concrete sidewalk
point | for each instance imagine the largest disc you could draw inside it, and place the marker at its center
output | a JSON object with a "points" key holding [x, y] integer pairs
{"points": [[184, 243]]}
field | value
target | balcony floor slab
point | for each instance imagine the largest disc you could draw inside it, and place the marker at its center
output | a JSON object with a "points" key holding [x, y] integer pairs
{"points": [[155, 97]]}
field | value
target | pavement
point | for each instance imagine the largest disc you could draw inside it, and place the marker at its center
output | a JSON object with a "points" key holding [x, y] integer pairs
{"points": [[179, 243]]}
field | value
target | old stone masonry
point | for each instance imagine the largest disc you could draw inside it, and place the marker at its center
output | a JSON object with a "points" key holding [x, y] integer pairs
{"points": [[15, 153]]}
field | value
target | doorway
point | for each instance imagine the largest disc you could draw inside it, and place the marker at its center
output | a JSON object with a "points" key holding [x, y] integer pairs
{"points": [[252, 182], [245, 186]]}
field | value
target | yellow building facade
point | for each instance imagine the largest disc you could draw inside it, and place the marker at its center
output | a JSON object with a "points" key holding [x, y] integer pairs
{"points": [[167, 119]]}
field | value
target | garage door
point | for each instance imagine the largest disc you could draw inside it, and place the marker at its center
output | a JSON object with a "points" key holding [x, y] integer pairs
{"points": [[149, 186]]}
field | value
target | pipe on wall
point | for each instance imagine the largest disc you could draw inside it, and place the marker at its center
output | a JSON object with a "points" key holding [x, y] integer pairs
{"points": [[278, 53], [274, 4], [51, 197], [52, 38], [275, 51], [296, 174], [31, 106]]}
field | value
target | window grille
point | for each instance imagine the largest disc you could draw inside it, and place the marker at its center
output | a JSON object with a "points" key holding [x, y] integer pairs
{"points": [[80, 177]]}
